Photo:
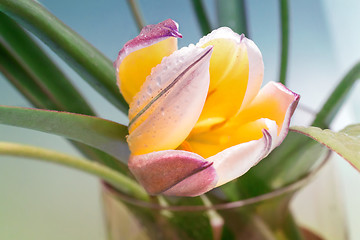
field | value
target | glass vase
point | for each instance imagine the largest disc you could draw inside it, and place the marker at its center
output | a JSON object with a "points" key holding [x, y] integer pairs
{"points": [[285, 211], [264, 217]]}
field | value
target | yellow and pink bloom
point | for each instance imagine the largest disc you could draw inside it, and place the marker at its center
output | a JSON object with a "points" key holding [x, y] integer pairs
{"points": [[198, 118]]}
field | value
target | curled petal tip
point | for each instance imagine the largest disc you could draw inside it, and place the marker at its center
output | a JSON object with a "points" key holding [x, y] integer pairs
{"points": [[149, 35], [196, 184], [173, 172], [167, 28], [242, 36]]}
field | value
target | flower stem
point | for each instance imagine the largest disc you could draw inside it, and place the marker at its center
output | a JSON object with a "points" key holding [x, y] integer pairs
{"points": [[116, 179], [284, 11], [137, 14], [216, 221]]}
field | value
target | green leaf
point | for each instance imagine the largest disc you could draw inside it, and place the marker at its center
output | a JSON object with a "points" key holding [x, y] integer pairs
{"points": [[284, 12], [99, 133], [23, 81], [232, 13], [346, 143], [202, 18], [92, 65], [34, 74], [337, 98], [117, 180]]}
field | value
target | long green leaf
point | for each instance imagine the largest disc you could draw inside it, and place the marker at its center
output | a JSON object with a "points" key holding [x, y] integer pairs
{"points": [[118, 180], [92, 65], [202, 17], [284, 12], [99, 133], [337, 98], [12, 70], [39, 75], [232, 13], [34, 74], [346, 143]]}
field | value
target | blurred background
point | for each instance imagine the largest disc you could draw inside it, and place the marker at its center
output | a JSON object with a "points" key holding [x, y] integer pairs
{"points": [[43, 201]]}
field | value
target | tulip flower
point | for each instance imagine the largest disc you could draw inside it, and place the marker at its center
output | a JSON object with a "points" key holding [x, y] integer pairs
{"points": [[198, 118]]}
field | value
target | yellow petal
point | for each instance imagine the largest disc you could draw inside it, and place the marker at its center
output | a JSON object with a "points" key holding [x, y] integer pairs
{"points": [[209, 143], [272, 102], [136, 66], [229, 72]]}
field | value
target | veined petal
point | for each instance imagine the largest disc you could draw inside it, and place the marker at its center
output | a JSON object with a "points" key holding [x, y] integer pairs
{"points": [[229, 72], [237, 160], [173, 172], [141, 54], [275, 102], [170, 101]]}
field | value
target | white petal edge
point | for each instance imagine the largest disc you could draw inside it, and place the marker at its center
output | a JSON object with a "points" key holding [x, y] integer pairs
{"points": [[289, 112], [256, 71], [223, 32]]}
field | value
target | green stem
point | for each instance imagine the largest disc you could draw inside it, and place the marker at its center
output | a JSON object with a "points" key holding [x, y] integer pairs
{"points": [[118, 180], [216, 221], [91, 64], [284, 11], [137, 14], [201, 16], [337, 98]]}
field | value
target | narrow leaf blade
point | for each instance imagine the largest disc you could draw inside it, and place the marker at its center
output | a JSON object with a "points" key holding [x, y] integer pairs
{"points": [[91, 64], [32, 71], [337, 98], [346, 143], [99, 133], [232, 13], [202, 17], [136, 12], [284, 15]]}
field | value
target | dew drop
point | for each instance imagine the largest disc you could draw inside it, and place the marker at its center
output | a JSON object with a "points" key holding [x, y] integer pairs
{"points": [[158, 81], [149, 90]]}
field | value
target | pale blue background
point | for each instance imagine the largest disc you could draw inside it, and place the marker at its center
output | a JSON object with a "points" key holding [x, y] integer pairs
{"points": [[43, 201]]}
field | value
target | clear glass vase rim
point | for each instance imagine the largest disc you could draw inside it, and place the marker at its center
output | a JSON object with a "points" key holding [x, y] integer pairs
{"points": [[229, 205]]}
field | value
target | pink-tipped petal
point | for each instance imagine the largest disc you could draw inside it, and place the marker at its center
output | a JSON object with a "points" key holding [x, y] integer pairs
{"points": [[173, 172], [170, 101], [286, 103], [289, 112], [149, 35], [235, 161]]}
